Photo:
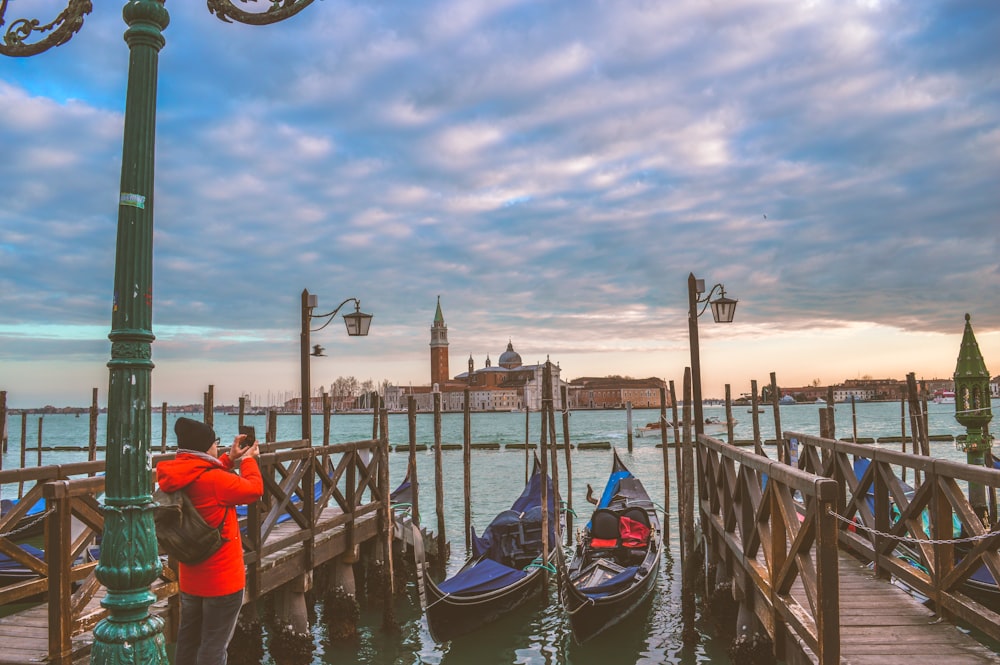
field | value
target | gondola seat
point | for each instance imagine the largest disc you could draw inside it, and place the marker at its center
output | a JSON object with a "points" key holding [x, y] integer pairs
{"points": [[634, 528], [604, 530]]}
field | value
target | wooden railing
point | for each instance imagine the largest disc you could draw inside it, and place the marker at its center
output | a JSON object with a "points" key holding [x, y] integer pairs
{"points": [[299, 480], [908, 529], [772, 526]]}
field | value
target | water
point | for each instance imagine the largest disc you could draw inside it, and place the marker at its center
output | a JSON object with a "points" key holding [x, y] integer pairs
{"points": [[539, 633]]}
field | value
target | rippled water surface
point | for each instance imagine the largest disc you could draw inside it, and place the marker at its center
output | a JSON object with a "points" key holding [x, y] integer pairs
{"points": [[540, 632]]}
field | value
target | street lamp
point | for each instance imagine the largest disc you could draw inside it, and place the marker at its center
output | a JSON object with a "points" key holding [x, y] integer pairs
{"points": [[129, 561], [357, 323], [723, 309]]}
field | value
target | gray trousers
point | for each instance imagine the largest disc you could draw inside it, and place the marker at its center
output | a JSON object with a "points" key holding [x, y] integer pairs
{"points": [[207, 626]]}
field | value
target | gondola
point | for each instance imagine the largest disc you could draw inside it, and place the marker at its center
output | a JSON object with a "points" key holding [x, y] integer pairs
{"points": [[504, 570], [616, 560]]}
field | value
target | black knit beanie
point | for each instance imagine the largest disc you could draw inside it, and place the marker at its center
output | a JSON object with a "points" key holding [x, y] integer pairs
{"points": [[194, 435]]}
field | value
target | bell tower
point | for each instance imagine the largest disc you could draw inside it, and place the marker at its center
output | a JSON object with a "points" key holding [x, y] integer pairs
{"points": [[439, 348]]}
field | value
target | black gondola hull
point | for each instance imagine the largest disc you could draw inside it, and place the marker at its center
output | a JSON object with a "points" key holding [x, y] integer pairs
{"points": [[451, 616]]}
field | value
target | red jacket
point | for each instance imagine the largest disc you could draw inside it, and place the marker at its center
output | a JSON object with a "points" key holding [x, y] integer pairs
{"points": [[213, 492]]}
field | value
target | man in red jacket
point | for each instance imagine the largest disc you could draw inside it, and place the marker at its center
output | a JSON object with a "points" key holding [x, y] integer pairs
{"points": [[211, 591]]}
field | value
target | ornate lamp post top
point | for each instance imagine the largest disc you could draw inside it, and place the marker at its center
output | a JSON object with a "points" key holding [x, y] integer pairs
{"points": [[972, 383]]}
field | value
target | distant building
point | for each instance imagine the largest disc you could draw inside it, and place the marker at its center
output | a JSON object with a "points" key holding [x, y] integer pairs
{"points": [[508, 386], [614, 392]]}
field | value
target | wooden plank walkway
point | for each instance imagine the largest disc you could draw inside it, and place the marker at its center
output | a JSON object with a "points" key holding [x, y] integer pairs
{"points": [[882, 624], [24, 635]]}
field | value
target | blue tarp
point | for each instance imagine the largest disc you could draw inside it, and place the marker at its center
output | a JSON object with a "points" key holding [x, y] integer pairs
{"points": [[620, 581], [485, 575], [8, 564]]}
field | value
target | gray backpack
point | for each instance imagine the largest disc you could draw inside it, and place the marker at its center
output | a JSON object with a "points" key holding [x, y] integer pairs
{"points": [[181, 531]]}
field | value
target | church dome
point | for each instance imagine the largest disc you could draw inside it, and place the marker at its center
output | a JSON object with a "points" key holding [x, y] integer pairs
{"points": [[510, 359]]}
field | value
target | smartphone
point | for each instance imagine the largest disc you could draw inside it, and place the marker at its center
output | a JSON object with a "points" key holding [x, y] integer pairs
{"points": [[251, 436]]}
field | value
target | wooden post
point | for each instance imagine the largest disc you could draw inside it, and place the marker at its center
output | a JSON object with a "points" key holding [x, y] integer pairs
{"points": [[388, 606], [569, 467], [902, 425], [543, 454], [678, 472], [666, 464], [758, 448], [916, 421], [371, 398], [854, 418], [779, 439], [39, 448], [628, 424], [467, 470], [3, 424], [527, 440], [439, 479], [24, 446], [210, 406], [92, 434], [411, 465], [163, 427], [687, 583], [327, 416], [831, 411], [272, 426], [729, 414], [242, 411], [554, 448]]}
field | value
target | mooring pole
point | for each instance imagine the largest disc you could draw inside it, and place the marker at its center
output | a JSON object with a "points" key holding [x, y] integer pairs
{"points": [[778, 438], [439, 479], [411, 465], [467, 471], [569, 467], [754, 406], [666, 464], [543, 454], [527, 440], [689, 566], [388, 603]]}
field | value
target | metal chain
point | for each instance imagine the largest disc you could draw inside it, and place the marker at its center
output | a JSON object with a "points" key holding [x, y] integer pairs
{"points": [[25, 527], [910, 539]]}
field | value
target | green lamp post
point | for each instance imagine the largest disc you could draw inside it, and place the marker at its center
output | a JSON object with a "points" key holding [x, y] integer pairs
{"points": [[129, 561], [972, 408]]}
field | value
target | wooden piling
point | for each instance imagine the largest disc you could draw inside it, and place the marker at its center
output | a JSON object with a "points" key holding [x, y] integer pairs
{"points": [[467, 470], [729, 414], [210, 406], [628, 424], [3, 424], [854, 419], [775, 406], [439, 480], [388, 605], [411, 465], [553, 449], [754, 405], [272, 426], [92, 429], [688, 567], [569, 466], [163, 427], [39, 447], [242, 412], [24, 446], [831, 410], [543, 454], [678, 472], [666, 464], [527, 441]]}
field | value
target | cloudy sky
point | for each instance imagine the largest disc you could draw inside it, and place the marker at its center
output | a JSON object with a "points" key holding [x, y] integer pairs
{"points": [[552, 169]]}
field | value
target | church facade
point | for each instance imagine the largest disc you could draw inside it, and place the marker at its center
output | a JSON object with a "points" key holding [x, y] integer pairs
{"points": [[510, 385]]}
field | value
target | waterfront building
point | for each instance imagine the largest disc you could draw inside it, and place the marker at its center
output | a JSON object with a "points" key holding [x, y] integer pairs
{"points": [[614, 392]]}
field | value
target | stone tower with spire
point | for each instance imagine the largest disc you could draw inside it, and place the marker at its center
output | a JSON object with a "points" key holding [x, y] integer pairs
{"points": [[439, 348]]}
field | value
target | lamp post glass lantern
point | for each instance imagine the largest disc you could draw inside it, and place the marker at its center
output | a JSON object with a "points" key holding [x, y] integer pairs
{"points": [[358, 324], [723, 310], [129, 563]]}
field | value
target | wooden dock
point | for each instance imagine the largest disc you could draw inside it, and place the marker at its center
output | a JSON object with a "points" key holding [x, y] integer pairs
{"points": [[879, 622], [812, 565], [290, 532]]}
